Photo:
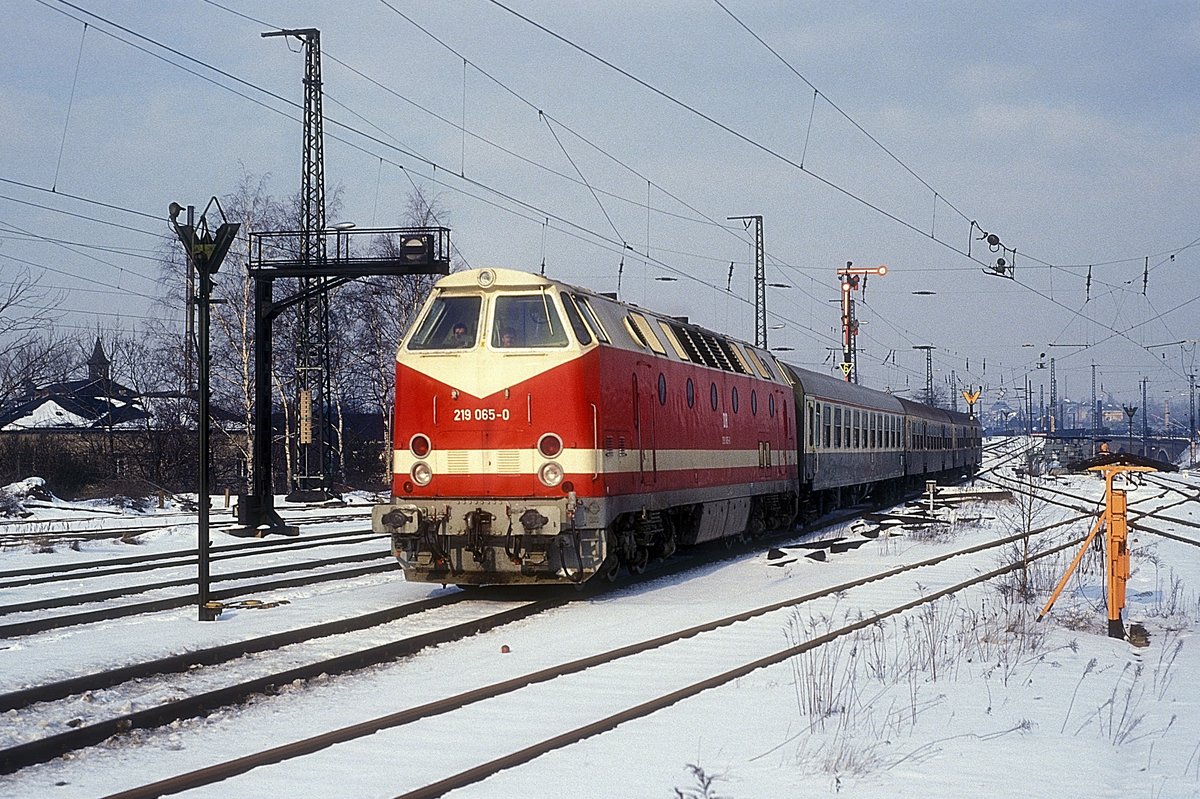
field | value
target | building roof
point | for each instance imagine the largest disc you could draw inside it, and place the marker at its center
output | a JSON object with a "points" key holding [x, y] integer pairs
{"points": [[79, 404]]}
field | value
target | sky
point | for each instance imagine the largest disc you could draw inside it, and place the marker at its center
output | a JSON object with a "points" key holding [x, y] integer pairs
{"points": [[611, 142]]}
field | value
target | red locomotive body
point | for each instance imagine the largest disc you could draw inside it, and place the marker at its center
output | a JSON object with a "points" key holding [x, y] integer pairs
{"points": [[544, 433]]}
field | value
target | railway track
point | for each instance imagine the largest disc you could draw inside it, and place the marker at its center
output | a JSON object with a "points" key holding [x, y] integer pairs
{"points": [[689, 660], [108, 612], [132, 564], [455, 703], [69, 532], [75, 708], [1044, 493], [169, 579], [87, 733]]}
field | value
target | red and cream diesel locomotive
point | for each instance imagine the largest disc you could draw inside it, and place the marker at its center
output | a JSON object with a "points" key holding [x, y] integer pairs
{"points": [[548, 434]]}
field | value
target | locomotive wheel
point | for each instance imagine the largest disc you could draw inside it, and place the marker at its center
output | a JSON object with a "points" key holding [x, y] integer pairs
{"points": [[610, 569], [640, 560]]}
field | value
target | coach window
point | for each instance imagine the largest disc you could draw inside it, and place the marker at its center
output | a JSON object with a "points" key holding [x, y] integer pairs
{"points": [[814, 423], [837, 427], [451, 323], [576, 320], [691, 393], [856, 424], [826, 425]]}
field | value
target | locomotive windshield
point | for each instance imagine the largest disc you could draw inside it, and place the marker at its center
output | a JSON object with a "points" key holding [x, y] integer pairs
{"points": [[527, 320], [452, 323]]}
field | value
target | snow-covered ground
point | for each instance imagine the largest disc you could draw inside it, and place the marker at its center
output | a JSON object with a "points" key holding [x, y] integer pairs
{"points": [[969, 697]]}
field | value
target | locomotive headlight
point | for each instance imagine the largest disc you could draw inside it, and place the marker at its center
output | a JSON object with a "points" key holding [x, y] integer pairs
{"points": [[422, 474], [486, 278], [551, 474]]}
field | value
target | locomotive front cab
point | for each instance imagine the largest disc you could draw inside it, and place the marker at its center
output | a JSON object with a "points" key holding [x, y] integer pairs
{"points": [[494, 443]]}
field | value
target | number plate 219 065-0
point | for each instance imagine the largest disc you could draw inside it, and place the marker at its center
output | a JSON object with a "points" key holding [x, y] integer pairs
{"points": [[481, 414]]}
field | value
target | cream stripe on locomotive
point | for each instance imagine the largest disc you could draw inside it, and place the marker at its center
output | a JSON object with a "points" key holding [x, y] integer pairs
{"points": [[590, 461]]}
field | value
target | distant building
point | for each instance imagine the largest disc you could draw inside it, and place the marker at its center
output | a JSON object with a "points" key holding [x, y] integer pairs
{"points": [[97, 402], [87, 433]]}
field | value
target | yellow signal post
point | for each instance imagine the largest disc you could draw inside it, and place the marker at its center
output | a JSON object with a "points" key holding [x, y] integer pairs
{"points": [[971, 395], [1113, 519]]}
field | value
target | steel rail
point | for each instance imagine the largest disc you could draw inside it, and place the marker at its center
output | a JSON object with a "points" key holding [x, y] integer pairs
{"points": [[175, 664], [170, 560], [33, 752], [31, 626], [249, 574], [262, 545]]}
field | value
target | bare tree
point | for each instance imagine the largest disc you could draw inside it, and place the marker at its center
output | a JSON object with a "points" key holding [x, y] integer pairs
{"points": [[25, 307], [382, 309], [45, 356], [27, 314]]}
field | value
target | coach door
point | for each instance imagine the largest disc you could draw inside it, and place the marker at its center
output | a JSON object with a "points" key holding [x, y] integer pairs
{"points": [[644, 402]]}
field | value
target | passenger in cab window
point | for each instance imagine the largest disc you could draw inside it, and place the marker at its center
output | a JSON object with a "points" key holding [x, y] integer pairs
{"points": [[508, 338]]}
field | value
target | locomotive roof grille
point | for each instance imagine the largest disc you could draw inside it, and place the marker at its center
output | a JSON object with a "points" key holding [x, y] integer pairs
{"points": [[688, 343]]}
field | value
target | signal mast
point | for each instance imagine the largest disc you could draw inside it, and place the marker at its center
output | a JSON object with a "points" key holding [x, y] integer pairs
{"points": [[852, 278]]}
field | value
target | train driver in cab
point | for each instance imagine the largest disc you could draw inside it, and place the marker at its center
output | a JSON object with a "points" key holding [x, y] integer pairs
{"points": [[459, 339]]}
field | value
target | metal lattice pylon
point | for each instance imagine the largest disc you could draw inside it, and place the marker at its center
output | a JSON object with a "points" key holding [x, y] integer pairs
{"points": [[313, 465]]}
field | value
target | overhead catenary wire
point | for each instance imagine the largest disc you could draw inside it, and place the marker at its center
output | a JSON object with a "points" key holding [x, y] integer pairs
{"points": [[762, 147], [581, 229], [70, 104], [620, 245]]}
